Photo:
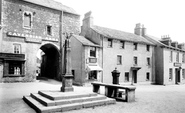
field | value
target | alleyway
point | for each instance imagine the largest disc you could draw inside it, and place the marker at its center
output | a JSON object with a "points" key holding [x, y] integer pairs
{"points": [[149, 98]]}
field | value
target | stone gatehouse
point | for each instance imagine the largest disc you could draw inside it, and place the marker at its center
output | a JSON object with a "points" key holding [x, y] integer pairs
{"points": [[29, 37]]}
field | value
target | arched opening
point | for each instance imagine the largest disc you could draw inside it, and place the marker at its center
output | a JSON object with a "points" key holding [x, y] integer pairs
{"points": [[49, 66]]}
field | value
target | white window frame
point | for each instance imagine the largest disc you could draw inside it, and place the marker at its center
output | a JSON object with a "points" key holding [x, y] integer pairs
{"points": [[119, 59], [17, 48]]}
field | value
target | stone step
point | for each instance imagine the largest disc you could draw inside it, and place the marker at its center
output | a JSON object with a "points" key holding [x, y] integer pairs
{"points": [[48, 102], [57, 95], [40, 108]]}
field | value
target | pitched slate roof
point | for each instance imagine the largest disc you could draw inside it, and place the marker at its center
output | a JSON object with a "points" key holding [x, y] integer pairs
{"points": [[53, 5], [85, 41], [120, 35], [156, 41]]}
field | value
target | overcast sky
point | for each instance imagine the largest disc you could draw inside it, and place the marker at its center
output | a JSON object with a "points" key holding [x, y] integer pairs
{"points": [[160, 17]]}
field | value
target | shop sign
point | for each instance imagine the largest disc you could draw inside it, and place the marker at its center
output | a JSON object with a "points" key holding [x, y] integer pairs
{"points": [[31, 38], [15, 34], [176, 64]]}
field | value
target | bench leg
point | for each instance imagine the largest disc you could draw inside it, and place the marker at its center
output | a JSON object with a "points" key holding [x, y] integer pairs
{"points": [[111, 92], [96, 89], [130, 95]]}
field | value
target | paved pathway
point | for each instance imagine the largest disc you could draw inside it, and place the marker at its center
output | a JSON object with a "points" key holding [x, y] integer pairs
{"points": [[149, 99]]}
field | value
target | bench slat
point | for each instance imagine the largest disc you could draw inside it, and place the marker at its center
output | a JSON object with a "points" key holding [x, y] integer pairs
{"points": [[114, 85]]}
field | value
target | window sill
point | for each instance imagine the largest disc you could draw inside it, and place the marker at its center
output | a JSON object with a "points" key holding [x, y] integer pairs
{"points": [[28, 28], [12, 75]]}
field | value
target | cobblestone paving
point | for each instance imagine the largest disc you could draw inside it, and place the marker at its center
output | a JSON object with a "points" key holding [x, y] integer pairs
{"points": [[149, 99]]}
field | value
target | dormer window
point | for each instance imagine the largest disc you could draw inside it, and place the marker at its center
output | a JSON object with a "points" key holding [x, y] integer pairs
{"points": [[27, 19]]}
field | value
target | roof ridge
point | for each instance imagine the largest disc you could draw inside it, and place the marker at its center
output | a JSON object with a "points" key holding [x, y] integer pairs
{"points": [[83, 43], [53, 5], [121, 35], [112, 29]]}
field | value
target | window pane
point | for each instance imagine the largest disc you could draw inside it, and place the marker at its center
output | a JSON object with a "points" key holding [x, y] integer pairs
{"points": [[49, 30], [177, 57], [92, 75], [119, 59], [183, 58], [170, 73], [17, 48], [122, 44], [147, 76], [148, 47], [135, 60], [171, 56], [109, 42], [148, 61], [126, 76], [183, 73], [15, 68], [92, 51], [135, 46]]}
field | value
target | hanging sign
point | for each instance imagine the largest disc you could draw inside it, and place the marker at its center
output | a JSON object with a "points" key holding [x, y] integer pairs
{"points": [[176, 64]]}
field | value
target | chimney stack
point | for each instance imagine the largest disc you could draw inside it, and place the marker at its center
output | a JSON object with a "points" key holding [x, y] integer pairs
{"points": [[140, 30], [87, 23], [181, 46], [166, 40], [174, 44]]}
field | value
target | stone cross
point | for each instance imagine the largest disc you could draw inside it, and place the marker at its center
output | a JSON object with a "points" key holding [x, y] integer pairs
{"points": [[67, 80]]}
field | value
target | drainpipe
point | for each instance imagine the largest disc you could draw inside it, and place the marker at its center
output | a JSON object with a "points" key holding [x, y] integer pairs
{"points": [[61, 46], [102, 59]]}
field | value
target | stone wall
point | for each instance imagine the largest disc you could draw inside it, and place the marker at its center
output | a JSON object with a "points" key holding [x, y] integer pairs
{"points": [[12, 19]]}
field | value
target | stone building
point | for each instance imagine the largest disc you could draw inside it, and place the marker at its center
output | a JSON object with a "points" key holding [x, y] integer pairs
{"points": [[86, 60], [130, 53], [170, 60], [29, 37]]}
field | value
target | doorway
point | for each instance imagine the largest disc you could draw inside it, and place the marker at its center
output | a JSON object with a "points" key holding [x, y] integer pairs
{"points": [[50, 62], [134, 76], [177, 76]]}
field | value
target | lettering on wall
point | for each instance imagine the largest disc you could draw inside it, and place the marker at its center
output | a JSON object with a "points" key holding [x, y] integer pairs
{"points": [[31, 38]]}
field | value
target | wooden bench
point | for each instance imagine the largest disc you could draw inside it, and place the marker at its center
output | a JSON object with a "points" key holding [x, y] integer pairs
{"points": [[112, 91]]}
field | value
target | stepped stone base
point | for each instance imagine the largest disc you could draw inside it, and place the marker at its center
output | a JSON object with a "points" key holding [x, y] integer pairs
{"points": [[56, 101]]}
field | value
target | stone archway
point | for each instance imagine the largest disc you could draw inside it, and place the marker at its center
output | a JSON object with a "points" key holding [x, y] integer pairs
{"points": [[49, 67]]}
